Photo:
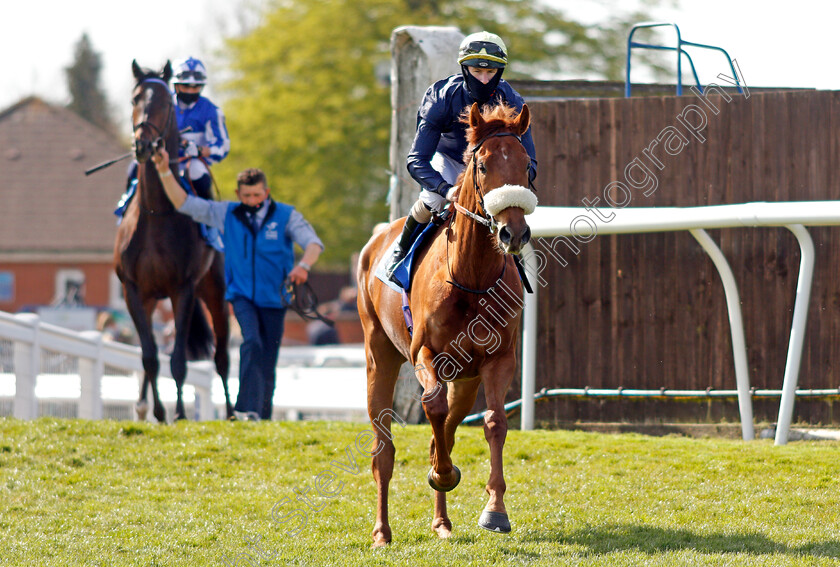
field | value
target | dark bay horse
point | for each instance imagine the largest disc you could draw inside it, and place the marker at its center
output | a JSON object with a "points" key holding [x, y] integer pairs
{"points": [[466, 300], [160, 253]]}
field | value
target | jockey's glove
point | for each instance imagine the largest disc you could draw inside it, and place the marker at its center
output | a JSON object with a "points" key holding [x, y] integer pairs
{"points": [[190, 149], [443, 189]]}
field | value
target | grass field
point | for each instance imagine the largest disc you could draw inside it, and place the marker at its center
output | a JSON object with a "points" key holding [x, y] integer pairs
{"points": [[104, 493]]}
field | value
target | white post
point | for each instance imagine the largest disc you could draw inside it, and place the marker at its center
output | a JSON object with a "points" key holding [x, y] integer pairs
{"points": [[529, 349], [203, 373], [797, 332], [736, 328], [27, 365], [90, 374]]}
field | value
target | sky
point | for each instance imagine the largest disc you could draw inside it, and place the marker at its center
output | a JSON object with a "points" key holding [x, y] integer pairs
{"points": [[776, 43]]}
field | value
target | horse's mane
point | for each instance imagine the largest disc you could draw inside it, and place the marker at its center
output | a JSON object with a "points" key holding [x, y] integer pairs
{"points": [[496, 118]]}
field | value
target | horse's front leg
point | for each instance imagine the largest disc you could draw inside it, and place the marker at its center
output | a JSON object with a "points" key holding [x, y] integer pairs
{"points": [[443, 476], [141, 315], [212, 291], [496, 378], [460, 396], [183, 306]]}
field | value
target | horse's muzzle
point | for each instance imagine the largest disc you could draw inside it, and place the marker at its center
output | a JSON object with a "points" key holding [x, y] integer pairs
{"points": [[142, 150], [513, 239]]}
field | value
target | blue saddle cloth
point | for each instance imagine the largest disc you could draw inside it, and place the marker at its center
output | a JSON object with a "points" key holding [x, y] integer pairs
{"points": [[404, 269], [211, 235]]}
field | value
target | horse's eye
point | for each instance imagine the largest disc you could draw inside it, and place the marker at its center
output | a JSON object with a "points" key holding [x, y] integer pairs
{"points": [[482, 168]]}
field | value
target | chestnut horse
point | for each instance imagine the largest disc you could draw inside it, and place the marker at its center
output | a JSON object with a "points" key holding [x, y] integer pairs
{"points": [[459, 337], [160, 253]]}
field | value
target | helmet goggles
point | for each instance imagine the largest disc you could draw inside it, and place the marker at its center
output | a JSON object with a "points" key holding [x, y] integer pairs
{"points": [[189, 77], [486, 54]]}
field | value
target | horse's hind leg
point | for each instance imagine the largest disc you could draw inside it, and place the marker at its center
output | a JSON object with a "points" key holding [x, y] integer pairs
{"points": [[212, 292], [460, 397], [183, 306], [383, 365], [496, 379]]}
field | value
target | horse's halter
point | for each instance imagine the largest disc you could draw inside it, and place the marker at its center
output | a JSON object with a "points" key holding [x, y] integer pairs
{"points": [[160, 131], [484, 218]]}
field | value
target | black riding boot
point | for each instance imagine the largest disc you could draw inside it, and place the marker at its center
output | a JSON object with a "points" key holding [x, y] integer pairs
{"points": [[203, 187], [409, 233]]}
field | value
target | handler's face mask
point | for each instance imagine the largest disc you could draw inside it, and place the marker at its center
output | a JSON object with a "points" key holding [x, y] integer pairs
{"points": [[251, 209]]}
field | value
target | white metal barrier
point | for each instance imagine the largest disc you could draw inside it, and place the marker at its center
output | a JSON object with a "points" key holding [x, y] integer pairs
{"points": [[314, 379], [563, 221], [30, 337]]}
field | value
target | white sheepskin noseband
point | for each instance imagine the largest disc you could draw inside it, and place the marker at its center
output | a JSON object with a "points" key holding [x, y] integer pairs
{"points": [[506, 196]]}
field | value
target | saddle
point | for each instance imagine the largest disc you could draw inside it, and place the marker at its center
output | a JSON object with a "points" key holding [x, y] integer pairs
{"points": [[405, 269]]}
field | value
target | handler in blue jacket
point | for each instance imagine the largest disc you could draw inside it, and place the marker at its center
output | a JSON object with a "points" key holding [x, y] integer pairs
{"points": [[259, 236], [436, 157]]}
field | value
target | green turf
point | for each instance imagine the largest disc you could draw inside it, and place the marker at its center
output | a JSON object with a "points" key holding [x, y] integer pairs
{"points": [[107, 493]]}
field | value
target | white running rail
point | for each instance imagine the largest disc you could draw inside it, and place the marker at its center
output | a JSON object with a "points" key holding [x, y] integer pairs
{"points": [[562, 221]]}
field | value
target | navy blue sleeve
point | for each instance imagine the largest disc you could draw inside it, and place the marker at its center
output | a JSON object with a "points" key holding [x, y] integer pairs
{"points": [[527, 140], [426, 139], [419, 161]]}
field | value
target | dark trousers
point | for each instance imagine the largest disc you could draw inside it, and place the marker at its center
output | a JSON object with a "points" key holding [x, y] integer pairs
{"points": [[262, 331]]}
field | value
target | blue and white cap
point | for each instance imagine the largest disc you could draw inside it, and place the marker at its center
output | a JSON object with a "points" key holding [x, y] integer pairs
{"points": [[190, 71]]}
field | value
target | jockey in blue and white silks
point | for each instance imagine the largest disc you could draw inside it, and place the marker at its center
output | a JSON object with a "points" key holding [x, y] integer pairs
{"points": [[204, 137]]}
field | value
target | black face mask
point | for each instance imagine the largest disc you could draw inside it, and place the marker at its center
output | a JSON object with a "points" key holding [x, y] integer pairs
{"points": [[187, 98], [480, 92], [251, 209]]}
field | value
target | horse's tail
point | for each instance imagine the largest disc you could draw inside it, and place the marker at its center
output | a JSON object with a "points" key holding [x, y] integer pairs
{"points": [[200, 337]]}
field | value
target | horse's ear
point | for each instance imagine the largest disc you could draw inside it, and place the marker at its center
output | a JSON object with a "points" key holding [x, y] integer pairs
{"points": [[475, 116], [166, 74], [135, 68], [523, 120]]}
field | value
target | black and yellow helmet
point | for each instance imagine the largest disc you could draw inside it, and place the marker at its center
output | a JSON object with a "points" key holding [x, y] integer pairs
{"points": [[483, 49]]}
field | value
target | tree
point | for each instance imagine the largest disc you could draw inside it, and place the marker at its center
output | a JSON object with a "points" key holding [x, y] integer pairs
{"points": [[87, 98], [308, 104]]}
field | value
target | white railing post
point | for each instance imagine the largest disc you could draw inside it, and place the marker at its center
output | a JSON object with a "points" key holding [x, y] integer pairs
{"points": [[797, 331], [27, 365], [736, 329], [529, 349], [201, 374], [90, 375]]}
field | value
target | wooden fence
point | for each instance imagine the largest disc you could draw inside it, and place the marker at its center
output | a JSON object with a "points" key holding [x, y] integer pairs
{"points": [[648, 311]]}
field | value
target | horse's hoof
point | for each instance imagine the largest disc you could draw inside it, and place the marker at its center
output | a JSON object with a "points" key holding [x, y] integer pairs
{"points": [[440, 488], [142, 408], [379, 543], [495, 522]]}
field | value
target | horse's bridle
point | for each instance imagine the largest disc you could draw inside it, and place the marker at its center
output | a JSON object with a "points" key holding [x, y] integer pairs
{"points": [[484, 217], [158, 130]]}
